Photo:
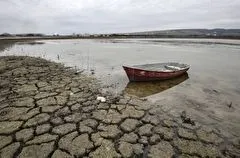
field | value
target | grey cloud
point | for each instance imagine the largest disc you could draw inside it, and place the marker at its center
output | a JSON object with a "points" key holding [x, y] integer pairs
{"points": [[97, 16]]}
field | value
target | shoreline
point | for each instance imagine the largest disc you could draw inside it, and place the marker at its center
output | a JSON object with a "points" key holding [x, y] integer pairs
{"points": [[112, 37], [47, 110]]}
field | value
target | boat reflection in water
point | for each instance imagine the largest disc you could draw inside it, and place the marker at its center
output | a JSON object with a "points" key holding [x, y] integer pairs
{"points": [[144, 89]]}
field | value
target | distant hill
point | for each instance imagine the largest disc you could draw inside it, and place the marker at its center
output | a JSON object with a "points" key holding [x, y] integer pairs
{"points": [[178, 33], [191, 33], [22, 35]]}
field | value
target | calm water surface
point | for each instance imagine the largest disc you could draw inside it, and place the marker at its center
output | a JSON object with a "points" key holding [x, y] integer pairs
{"points": [[212, 83]]}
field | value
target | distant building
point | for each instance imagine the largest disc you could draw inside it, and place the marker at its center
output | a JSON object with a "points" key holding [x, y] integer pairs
{"points": [[55, 34], [214, 33], [86, 35]]}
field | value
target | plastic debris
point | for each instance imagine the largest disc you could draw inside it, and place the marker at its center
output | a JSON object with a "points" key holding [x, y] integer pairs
{"points": [[102, 99]]}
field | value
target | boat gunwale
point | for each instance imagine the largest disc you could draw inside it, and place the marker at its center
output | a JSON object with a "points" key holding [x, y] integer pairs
{"points": [[168, 71]]}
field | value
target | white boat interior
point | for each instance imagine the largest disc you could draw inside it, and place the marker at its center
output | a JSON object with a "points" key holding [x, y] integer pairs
{"points": [[166, 67]]}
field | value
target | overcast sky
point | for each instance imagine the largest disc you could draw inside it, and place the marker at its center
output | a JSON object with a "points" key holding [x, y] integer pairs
{"points": [[107, 16]]}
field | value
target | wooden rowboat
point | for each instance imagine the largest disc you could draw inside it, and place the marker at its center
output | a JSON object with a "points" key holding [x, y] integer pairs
{"points": [[157, 71]]}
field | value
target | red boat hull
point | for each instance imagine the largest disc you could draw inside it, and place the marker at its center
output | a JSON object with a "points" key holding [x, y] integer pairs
{"points": [[144, 75]]}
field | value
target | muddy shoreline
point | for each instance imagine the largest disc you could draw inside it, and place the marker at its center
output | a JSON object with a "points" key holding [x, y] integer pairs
{"points": [[50, 111]]}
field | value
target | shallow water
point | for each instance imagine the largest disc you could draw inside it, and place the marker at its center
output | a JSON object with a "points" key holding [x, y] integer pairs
{"points": [[212, 83]]}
